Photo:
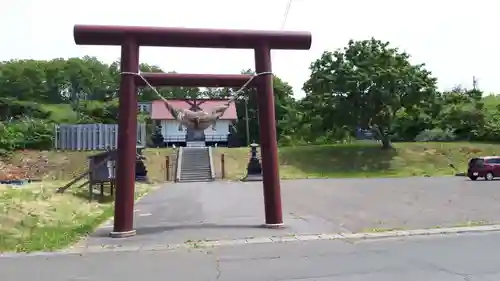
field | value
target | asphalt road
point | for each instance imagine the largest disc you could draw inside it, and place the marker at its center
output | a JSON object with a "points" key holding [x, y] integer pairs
{"points": [[230, 210], [471, 257]]}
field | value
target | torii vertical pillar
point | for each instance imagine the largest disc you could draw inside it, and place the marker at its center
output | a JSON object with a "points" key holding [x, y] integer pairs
{"points": [[268, 139], [127, 141], [131, 37]]}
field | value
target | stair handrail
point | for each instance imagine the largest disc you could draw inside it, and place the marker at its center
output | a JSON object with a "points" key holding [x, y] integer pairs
{"points": [[178, 164], [211, 163]]}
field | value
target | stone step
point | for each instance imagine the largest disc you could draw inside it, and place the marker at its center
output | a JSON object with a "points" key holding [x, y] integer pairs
{"points": [[193, 177], [196, 168], [198, 171], [201, 161], [195, 174], [187, 159], [192, 168], [190, 156], [201, 175], [196, 180], [194, 163]]}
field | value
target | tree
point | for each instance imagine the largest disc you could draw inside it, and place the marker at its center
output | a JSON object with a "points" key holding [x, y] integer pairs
{"points": [[365, 85], [23, 80], [85, 88], [462, 113], [284, 109]]}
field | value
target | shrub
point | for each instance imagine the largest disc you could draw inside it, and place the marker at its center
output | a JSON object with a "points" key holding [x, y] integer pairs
{"points": [[26, 133], [436, 135]]}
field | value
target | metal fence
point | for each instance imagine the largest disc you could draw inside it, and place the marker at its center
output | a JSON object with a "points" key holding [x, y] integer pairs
{"points": [[92, 136]]}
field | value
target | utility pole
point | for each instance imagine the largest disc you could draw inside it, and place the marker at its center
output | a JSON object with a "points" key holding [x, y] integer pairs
{"points": [[247, 128]]}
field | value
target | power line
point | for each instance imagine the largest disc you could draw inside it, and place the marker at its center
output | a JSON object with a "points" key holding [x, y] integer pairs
{"points": [[285, 16]]}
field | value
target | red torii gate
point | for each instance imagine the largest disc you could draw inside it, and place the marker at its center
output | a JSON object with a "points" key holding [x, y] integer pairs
{"points": [[130, 38]]}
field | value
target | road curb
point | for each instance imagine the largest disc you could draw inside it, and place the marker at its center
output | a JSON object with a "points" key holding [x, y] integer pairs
{"points": [[290, 238], [348, 236]]}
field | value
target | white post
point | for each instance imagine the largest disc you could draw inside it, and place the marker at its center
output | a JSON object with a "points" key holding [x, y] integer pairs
{"points": [[111, 169]]}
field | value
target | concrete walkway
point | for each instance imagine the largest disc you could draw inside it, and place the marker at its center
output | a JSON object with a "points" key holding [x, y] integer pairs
{"points": [[179, 213]]}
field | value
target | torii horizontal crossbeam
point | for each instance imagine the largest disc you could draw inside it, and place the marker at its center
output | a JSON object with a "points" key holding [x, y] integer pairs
{"points": [[191, 37], [194, 80]]}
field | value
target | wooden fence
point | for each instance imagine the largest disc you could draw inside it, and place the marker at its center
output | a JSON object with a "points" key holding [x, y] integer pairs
{"points": [[92, 136]]}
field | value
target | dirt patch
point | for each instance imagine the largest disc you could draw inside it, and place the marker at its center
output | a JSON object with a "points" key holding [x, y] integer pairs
{"points": [[66, 165], [45, 165]]}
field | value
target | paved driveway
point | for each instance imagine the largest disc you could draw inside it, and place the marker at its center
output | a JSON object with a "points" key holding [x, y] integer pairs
{"points": [[177, 213]]}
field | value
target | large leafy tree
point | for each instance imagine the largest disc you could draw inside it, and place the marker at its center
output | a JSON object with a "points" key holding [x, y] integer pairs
{"points": [[462, 112], [23, 80], [365, 85]]}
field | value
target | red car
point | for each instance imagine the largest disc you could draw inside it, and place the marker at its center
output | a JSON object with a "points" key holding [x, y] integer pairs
{"points": [[487, 167]]}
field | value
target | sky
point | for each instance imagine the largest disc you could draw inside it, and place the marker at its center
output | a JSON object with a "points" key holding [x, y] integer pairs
{"points": [[455, 39]]}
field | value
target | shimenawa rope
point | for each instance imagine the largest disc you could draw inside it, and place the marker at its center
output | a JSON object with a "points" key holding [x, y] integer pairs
{"points": [[197, 120]]}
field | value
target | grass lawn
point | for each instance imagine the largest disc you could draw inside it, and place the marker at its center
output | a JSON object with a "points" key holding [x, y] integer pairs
{"points": [[61, 113], [363, 160], [34, 218], [343, 160]]}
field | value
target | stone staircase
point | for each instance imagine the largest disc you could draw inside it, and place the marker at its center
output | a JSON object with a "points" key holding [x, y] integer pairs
{"points": [[195, 164]]}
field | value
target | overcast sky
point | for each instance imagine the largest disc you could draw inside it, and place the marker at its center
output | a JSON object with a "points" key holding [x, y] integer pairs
{"points": [[456, 39]]}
